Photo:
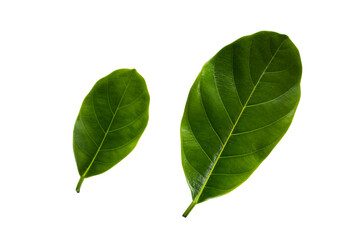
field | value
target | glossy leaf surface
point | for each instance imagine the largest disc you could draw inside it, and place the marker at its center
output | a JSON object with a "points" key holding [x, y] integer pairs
{"points": [[238, 109], [112, 118]]}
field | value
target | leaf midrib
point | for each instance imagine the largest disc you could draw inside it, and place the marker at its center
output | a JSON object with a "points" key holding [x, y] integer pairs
{"points": [[107, 130], [237, 120]]}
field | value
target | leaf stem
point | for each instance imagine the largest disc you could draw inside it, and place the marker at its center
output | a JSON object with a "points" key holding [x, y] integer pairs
{"points": [[188, 210], [78, 186]]}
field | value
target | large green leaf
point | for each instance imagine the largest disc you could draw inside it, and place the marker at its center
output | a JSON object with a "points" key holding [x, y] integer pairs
{"points": [[238, 109], [111, 120]]}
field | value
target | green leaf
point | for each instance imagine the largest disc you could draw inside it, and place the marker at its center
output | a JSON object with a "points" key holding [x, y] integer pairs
{"points": [[111, 121], [238, 109]]}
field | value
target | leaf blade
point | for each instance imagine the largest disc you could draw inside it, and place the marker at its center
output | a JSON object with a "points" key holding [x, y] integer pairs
{"points": [[231, 72], [111, 120]]}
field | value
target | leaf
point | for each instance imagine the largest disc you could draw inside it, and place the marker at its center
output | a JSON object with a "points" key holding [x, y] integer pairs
{"points": [[111, 121], [238, 109]]}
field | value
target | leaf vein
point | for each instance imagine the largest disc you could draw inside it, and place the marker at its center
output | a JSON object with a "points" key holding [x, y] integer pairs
{"points": [[207, 117], [265, 126], [137, 118], [134, 100], [233, 77], [86, 153], [218, 188], [87, 132], [250, 153], [123, 145], [92, 96], [194, 168], [199, 142], [273, 99], [108, 98], [230, 174], [280, 71], [218, 92], [251, 79]]}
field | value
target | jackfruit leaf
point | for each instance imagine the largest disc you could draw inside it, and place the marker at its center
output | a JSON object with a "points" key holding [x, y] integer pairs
{"points": [[239, 107], [111, 120]]}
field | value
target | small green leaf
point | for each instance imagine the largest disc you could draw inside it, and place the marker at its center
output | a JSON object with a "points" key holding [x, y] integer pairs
{"points": [[112, 118], [238, 109]]}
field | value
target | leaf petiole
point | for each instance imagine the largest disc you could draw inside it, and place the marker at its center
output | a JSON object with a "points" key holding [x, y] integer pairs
{"points": [[78, 186], [188, 210]]}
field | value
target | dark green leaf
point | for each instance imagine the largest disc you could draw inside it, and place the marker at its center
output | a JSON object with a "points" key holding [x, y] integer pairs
{"points": [[111, 120], [238, 109]]}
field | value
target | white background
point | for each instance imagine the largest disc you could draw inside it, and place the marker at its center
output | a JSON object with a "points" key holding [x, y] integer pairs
{"points": [[53, 52]]}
